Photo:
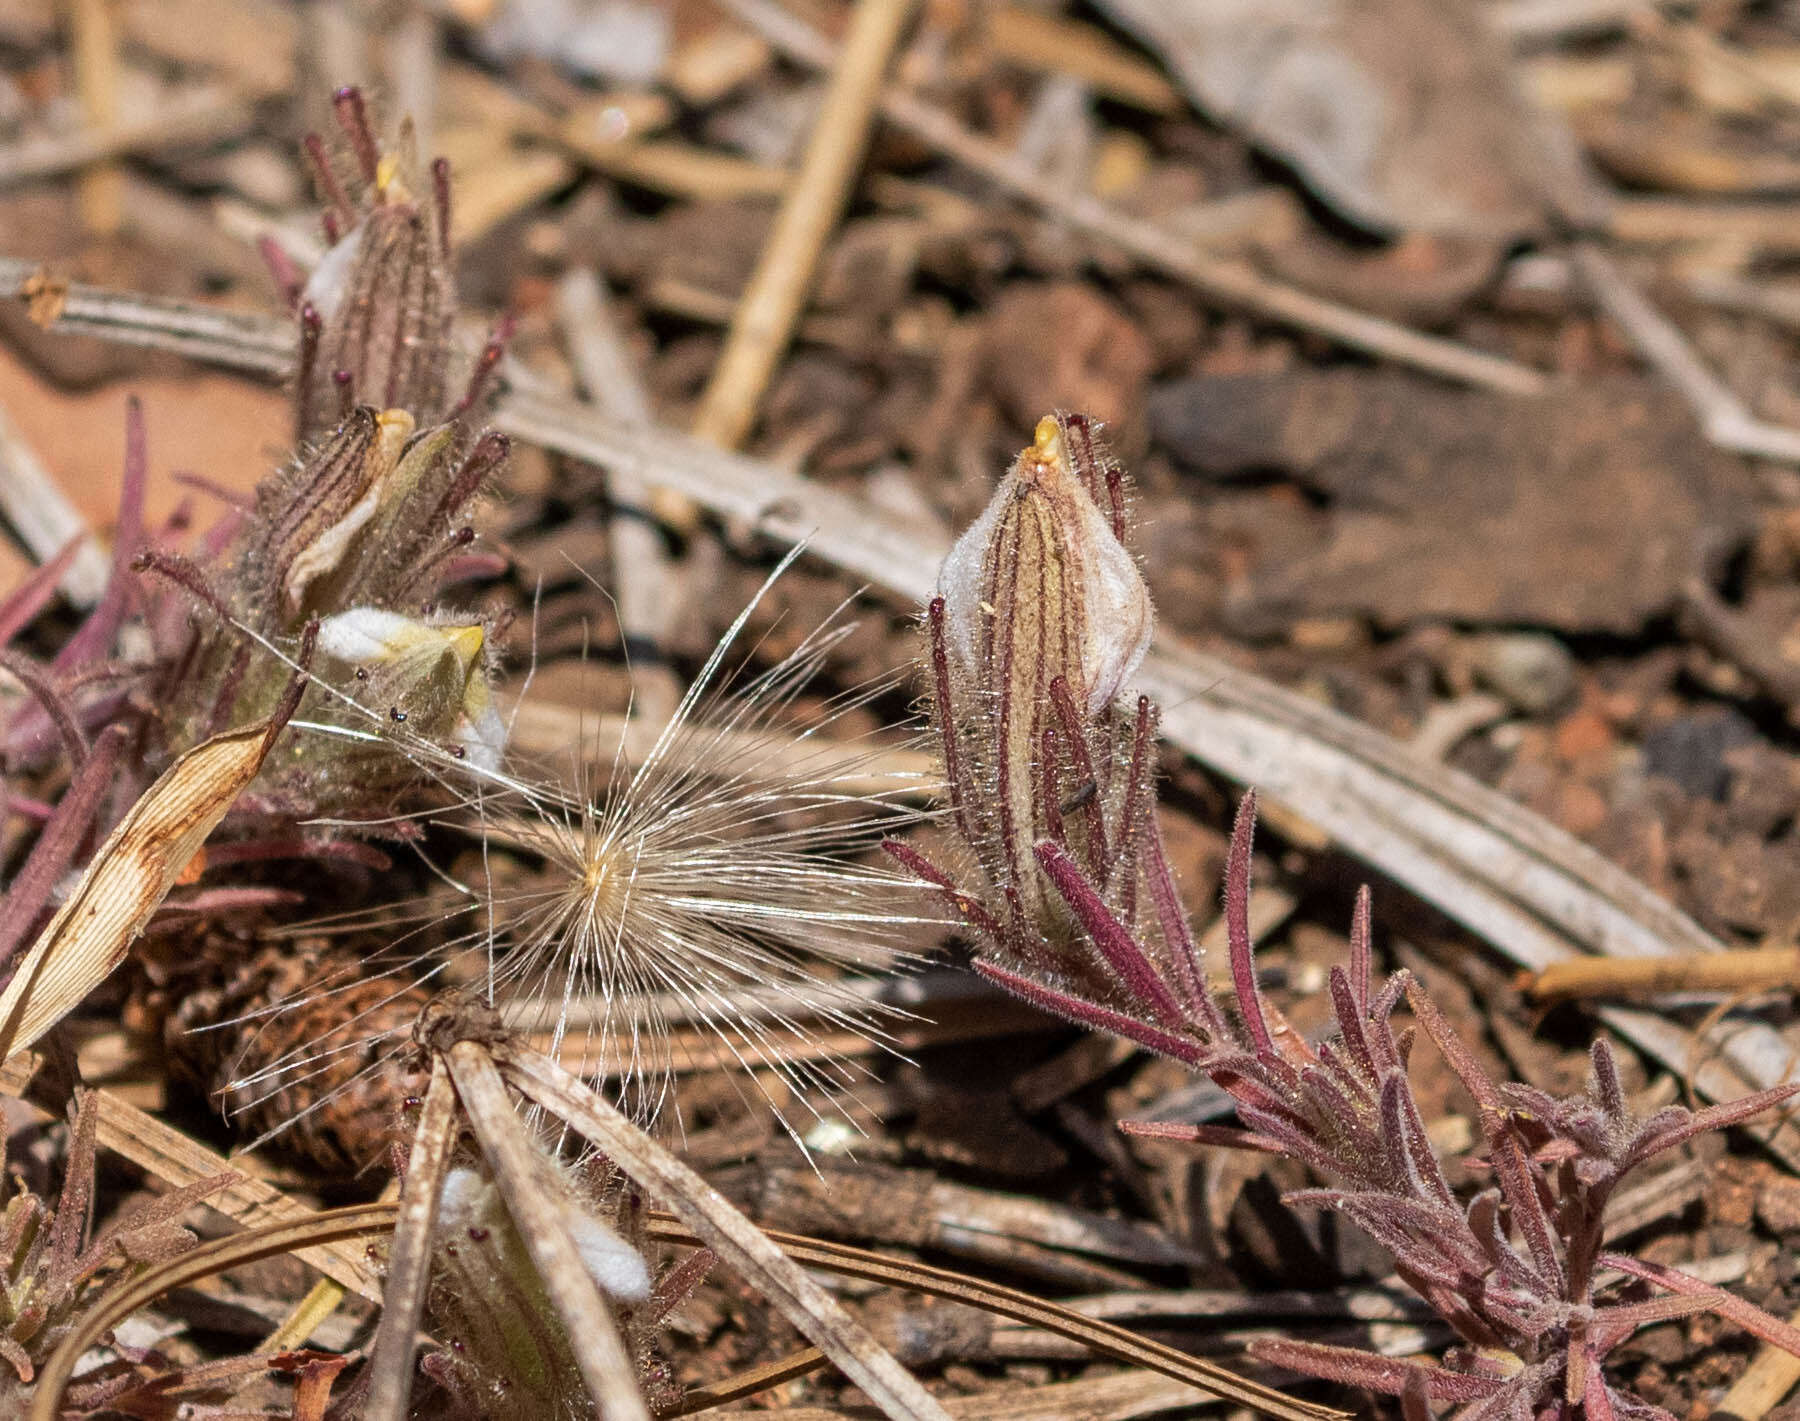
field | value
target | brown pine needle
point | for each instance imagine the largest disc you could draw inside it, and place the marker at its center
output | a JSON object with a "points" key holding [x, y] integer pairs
{"points": [[752, 1381], [359, 1221], [1745, 969], [94, 30], [1102, 1337]]}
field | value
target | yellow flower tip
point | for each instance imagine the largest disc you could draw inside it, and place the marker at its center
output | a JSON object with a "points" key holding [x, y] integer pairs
{"points": [[387, 179], [466, 643], [1046, 451], [372, 636], [395, 426], [392, 429]]}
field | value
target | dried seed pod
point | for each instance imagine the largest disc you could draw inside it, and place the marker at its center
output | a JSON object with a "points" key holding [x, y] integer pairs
{"points": [[292, 1039]]}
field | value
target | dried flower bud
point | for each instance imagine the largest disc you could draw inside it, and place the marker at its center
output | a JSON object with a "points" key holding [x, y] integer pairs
{"points": [[1041, 585], [326, 550]]}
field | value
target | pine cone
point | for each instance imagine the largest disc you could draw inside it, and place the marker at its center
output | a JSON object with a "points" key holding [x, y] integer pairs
{"points": [[298, 1039]]}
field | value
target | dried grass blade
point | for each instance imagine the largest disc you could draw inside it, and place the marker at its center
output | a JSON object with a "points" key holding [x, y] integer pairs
{"points": [[594, 1334], [1102, 1337], [129, 1294], [409, 1258], [126, 882], [748, 1383], [173, 1158], [727, 1232]]}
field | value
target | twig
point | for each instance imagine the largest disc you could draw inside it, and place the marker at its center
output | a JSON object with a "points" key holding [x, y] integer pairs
{"points": [[495, 192], [765, 317], [240, 341], [1747, 969], [1779, 304], [94, 38], [1726, 420], [205, 117], [1228, 281], [391, 1363], [44, 519], [642, 584]]}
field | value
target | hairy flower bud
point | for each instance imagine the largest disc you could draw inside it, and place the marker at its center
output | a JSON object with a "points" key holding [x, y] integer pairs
{"points": [[432, 679], [505, 1351], [1042, 618], [1041, 586], [364, 478], [375, 314]]}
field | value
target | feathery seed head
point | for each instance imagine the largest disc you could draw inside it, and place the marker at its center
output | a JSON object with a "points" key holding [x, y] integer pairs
{"points": [[713, 901]]}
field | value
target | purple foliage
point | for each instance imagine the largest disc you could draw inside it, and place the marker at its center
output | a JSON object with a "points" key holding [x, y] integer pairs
{"points": [[1066, 889]]}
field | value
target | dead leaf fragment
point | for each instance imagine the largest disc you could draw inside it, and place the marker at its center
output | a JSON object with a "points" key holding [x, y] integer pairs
{"points": [[1425, 134], [1584, 512], [126, 882]]}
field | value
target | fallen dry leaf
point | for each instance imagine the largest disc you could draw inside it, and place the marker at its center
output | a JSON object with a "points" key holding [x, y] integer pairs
{"points": [[126, 882], [1425, 135]]}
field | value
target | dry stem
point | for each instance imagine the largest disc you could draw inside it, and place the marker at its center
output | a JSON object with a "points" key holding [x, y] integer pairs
{"points": [[764, 321], [1232, 282]]}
